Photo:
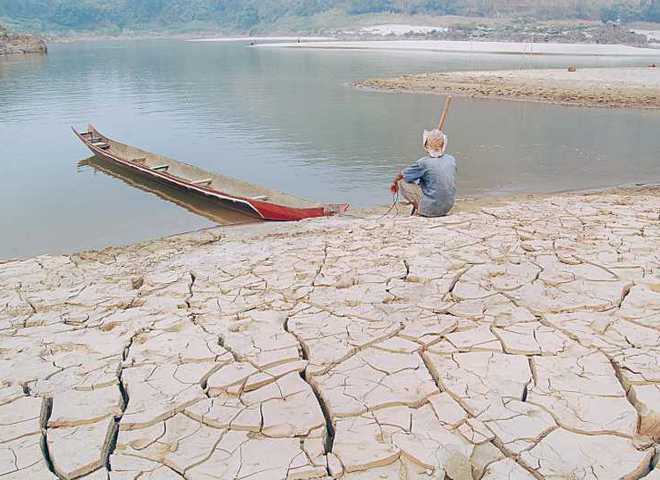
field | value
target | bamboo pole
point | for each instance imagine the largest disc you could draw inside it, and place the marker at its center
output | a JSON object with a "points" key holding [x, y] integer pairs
{"points": [[445, 112]]}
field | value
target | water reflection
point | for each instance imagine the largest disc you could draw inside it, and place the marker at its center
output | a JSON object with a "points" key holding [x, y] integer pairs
{"points": [[196, 204]]}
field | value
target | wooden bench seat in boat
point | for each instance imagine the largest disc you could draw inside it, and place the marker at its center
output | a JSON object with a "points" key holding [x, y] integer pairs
{"points": [[204, 181], [158, 168]]}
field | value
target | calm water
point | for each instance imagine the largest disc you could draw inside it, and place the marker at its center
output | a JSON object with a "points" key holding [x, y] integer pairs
{"points": [[284, 118]]}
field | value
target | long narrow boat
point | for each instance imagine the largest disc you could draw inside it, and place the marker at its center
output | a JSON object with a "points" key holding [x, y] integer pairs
{"points": [[235, 194]]}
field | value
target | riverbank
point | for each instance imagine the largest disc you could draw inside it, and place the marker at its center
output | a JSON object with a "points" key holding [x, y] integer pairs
{"points": [[603, 87], [20, 43], [511, 30], [464, 47], [514, 339]]}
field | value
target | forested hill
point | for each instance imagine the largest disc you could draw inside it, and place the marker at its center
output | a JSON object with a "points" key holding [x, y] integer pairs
{"points": [[118, 15]]}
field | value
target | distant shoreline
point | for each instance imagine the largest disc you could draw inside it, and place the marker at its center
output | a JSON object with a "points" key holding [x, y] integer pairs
{"points": [[256, 38], [379, 28], [487, 47]]}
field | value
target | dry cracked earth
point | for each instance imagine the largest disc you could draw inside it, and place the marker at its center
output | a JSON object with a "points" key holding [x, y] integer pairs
{"points": [[520, 341]]}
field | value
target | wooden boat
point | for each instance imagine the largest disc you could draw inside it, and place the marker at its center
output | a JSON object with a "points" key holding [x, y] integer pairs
{"points": [[235, 194]]}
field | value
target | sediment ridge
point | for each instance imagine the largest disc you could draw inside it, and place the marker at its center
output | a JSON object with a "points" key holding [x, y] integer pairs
{"points": [[517, 340], [602, 87]]}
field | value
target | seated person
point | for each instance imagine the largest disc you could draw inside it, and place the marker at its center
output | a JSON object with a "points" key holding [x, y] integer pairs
{"points": [[429, 184]]}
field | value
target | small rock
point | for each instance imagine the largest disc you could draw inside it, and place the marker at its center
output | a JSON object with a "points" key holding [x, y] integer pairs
{"points": [[137, 282]]}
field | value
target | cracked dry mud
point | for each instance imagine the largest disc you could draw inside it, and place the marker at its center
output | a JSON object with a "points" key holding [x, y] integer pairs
{"points": [[518, 341]]}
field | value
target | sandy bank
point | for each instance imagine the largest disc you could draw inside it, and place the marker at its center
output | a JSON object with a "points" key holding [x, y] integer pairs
{"points": [[399, 29], [20, 43], [513, 48], [289, 38], [612, 87], [653, 35], [517, 340]]}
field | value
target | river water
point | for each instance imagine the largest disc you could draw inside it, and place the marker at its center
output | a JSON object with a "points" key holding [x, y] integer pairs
{"points": [[284, 118]]}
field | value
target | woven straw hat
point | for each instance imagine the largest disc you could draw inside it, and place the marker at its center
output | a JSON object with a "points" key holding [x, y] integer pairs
{"points": [[435, 142]]}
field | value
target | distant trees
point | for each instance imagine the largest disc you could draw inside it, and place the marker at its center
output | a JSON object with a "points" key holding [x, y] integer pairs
{"points": [[247, 17], [440, 7], [652, 11], [245, 14], [630, 11], [620, 12], [358, 7]]}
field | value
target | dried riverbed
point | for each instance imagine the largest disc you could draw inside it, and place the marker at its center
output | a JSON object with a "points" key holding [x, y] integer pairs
{"points": [[611, 87], [518, 340]]}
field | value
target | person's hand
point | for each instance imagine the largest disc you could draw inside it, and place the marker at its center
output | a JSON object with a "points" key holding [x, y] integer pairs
{"points": [[394, 188]]}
